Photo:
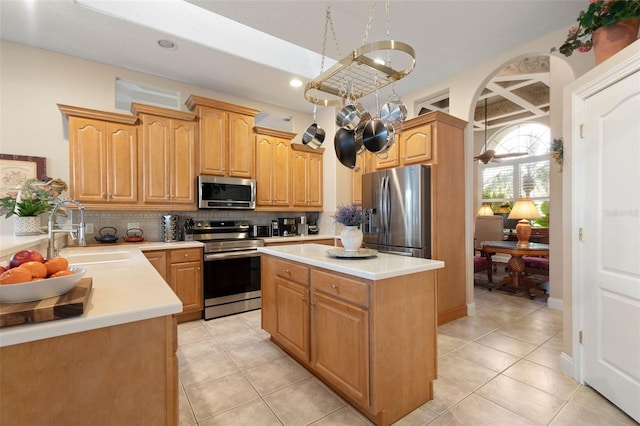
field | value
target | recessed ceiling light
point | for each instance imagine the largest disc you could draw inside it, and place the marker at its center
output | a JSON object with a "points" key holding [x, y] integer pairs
{"points": [[295, 83], [166, 44]]}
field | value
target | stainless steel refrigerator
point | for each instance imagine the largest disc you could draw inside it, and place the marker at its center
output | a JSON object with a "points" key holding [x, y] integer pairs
{"points": [[397, 207]]}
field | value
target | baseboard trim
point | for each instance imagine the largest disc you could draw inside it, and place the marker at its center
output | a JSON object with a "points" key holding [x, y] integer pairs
{"points": [[553, 303], [471, 309], [567, 365], [452, 314]]}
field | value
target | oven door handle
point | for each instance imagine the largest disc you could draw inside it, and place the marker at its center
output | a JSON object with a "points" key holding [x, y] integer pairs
{"points": [[231, 255]]}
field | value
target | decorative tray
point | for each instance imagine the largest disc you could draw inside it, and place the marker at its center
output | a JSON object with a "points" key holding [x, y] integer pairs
{"points": [[361, 253]]}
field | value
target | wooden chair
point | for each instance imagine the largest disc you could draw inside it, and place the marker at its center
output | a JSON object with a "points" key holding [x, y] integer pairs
{"points": [[488, 228], [483, 263]]}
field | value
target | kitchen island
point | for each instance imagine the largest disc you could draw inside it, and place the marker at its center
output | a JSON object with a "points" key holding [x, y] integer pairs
{"points": [[114, 364], [364, 326]]}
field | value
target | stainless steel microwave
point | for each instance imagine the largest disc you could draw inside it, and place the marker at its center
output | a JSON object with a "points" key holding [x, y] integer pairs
{"points": [[226, 193]]}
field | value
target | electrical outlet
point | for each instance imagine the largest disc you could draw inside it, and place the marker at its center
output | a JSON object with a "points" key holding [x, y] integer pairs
{"points": [[88, 228], [133, 225]]}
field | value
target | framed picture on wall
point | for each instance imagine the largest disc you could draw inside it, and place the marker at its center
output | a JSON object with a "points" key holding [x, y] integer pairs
{"points": [[15, 169]]}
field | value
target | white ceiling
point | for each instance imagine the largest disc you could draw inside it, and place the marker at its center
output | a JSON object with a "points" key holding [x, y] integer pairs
{"points": [[447, 35]]}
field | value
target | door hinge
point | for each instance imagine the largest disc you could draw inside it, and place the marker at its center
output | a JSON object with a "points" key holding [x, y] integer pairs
{"points": [[580, 234], [582, 131], [580, 336]]}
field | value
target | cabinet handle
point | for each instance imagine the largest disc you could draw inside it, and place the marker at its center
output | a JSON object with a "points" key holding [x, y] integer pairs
{"points": [[334, 286], [186, 255], [288, 272], [198, 268], [304, 299]]}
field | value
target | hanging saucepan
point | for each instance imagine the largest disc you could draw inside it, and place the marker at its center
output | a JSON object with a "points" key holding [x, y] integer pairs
{"points": [[378, 136], [314, 135], [394, 112], [345, 146], [107, 237], [352, 116], [360, 148]]}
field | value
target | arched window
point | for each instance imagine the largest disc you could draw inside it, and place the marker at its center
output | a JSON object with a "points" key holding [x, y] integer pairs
{"points": [[523, 176]]}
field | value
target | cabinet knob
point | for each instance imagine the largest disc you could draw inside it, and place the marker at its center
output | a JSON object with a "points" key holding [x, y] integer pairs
{"points": [[304, 299], [287, 271], [186, 255], [334, 286]]}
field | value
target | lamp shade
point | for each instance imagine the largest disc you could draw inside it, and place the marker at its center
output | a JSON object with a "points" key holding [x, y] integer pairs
{"points": [[524, 208], [485, 210]]}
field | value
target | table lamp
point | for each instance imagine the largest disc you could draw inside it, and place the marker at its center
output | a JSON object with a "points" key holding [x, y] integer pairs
{"points": [[485, 210], [524, 209]]}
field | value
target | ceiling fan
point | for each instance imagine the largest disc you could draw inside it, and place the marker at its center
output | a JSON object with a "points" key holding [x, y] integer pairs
{"points": [[489, 154]]}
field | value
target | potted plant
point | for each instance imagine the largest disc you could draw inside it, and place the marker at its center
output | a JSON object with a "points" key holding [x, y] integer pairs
{"points": [[619, 16], [351, 217], [30, 200]]}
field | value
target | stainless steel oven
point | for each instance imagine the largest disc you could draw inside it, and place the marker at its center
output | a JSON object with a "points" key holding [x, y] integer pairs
{"points": [[231, 278]]}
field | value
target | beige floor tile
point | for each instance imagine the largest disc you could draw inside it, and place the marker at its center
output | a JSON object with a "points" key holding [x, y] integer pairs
{"points": [[587, 397], [547, 356], [418, 417], [556, 342], [191, 351], [507, 344], [533, 404], [252, 318], [463, 372], [496, 315], [217, 396], [448, 343], [252, 413], [544, 378], [548, 316], [276, 374], [254, 353], [212, 366], [186, 417], [478, 411], [303, 403], [345, 416], [446, 394], [529, 332], [487, 357], [192, 331], [440, 421], [573, 414], [226, 326], [464, 328]]}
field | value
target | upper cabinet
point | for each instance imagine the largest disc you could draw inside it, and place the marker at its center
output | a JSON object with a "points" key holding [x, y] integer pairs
{"points": [[306, 177], [168, 152], [103, 156], [273, 168], [226, 138]]}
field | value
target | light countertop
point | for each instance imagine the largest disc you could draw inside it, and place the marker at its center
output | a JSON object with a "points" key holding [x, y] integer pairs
{"points": [[299, 238], [376, 268], [126, 288]]}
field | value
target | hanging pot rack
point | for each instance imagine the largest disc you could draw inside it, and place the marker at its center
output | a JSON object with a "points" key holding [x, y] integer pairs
{"points": [[362, 73]]}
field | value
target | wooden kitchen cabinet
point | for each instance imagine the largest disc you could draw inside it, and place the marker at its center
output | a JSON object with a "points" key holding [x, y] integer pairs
{"points": [[103, 157], [306, 177], [167, 152], [273, 168], [226, 138], [182, 270], [373, 342], [364, 164]]}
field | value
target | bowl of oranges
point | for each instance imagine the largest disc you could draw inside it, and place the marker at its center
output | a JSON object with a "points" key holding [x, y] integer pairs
{"points": [[30, 277]]}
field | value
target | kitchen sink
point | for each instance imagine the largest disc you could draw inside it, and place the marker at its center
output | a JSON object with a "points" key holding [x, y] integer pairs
{"points": [[76, 258]]}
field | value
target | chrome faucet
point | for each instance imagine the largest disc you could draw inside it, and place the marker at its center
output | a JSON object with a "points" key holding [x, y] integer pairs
{"points": [[76, 231]]}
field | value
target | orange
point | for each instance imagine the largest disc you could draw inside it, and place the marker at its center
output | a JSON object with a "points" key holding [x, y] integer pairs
{"points": [[61, 273], [56, 264], [38, 270], [15, 276]]}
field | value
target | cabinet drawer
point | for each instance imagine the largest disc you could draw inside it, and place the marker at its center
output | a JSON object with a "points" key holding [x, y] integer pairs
{"points": [[185, 255], [292, 271], [343, 288]]}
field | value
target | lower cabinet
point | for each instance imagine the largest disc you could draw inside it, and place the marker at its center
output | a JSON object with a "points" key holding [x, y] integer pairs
{"points": [[373, 342], [182, 270]]}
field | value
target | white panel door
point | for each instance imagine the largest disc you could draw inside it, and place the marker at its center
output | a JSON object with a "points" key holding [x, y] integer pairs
{"points": [[610, 253]]}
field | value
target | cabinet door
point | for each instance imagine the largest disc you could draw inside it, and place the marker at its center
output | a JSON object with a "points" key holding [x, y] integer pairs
{"points": [[87, 152], [389, 159], [264, 163], [158, 260], [280, 173], [340, 345], [213, 141], [314, 182], [182, 161], [292, 327], [156, 159], [299, 178], [186, 282], [122, 163], [241, 147], [415, 145]]}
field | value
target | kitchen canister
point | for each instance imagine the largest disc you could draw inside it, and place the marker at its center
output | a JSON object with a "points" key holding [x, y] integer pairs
{"points": [[169, 229]]}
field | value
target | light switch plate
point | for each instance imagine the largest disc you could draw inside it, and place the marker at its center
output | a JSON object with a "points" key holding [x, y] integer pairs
{"points": [[133, 225]]}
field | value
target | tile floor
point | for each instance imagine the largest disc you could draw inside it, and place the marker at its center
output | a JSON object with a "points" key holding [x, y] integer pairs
{"points": [[499, 367]]}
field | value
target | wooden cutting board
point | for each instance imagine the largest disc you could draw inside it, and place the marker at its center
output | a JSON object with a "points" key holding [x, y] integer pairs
{"points": [[68, 305]]}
